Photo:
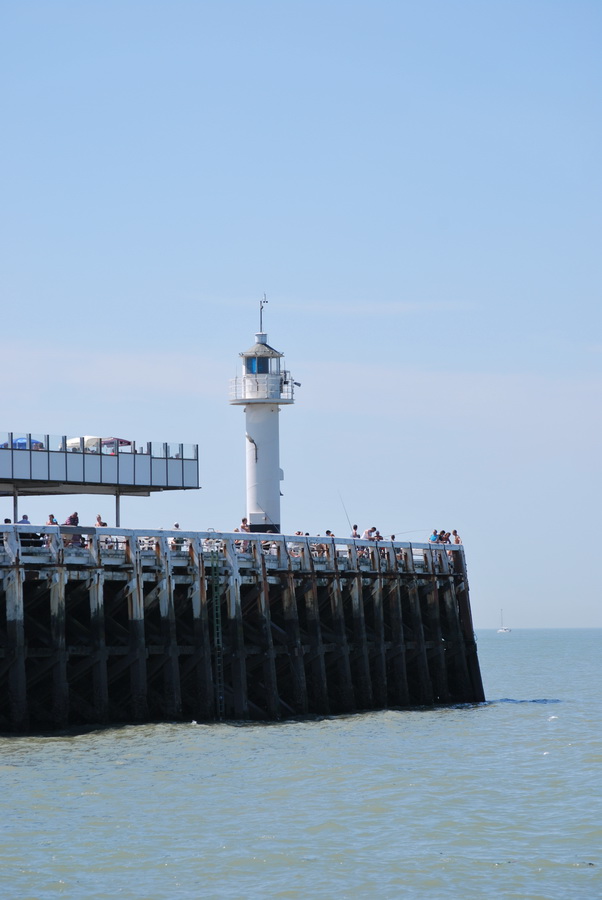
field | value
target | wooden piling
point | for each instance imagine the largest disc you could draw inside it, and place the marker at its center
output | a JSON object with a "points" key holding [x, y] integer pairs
{"points": [[15, 634], [344, 698], [172, 701], [293, 640], [198, 665], [100, 678], [137, 650], [379, 656], [60, 684], [360, 659], [238, 654], [316, 675], [397, 680]]}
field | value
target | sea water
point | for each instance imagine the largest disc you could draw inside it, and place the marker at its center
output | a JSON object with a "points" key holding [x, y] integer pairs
{"points": [[502, 799]]}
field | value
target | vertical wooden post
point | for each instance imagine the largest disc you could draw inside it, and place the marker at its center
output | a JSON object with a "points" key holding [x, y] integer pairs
{"points": [[420, 662], [346, 695], [15, 632], [269, 665], [437, 652], [361, 658], [398, 683], [293, 642], [60, 685], [458, 678], [137, 645], [172, 697], [465, 616], [379, 652], [204, 698], [315, 660], [237, 637], [100, 680]]}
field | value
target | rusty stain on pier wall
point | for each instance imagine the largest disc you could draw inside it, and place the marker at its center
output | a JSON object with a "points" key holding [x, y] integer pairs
{"points": [[116, 626]]}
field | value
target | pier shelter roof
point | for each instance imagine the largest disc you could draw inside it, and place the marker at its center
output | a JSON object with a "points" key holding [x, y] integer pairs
{"points": [[40, 464]]}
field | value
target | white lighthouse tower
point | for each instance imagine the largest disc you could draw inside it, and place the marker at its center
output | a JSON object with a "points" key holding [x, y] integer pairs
{"points": [[264, 386]]}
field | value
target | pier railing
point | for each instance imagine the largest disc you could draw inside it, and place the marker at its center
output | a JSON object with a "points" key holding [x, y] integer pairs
{"points": [[279, 551]]}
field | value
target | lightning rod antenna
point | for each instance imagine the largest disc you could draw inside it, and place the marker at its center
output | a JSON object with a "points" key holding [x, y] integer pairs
{"points": [[262, 303]]}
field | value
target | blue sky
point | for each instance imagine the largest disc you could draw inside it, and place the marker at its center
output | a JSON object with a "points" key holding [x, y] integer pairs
{"points": [[416, 187]]}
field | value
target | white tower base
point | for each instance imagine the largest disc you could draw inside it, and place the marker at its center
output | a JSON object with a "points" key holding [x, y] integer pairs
{"points": [[263, 464]]}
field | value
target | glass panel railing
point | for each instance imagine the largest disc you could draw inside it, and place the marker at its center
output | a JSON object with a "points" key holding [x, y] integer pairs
{"points": [[56, 442], [89, 444]]}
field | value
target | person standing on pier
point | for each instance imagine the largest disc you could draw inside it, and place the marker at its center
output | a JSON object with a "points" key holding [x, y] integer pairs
{"points": [[28, 540], [244, 526]]}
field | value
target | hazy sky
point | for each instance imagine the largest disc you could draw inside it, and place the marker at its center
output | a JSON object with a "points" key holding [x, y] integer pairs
{"points": [[416, 187]]}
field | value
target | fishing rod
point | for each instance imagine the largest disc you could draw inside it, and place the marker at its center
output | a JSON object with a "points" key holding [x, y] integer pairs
{"points": [[346, 513], [414, 531]]}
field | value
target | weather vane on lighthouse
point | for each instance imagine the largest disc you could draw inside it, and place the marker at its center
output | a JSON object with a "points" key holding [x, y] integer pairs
{"points": [[263, 387]]}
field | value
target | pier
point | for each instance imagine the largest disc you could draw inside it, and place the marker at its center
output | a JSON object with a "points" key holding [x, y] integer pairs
{"points": [[112, 625]]}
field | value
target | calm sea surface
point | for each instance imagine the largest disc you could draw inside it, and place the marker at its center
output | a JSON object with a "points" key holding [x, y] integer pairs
{"points": [[500, 800]]}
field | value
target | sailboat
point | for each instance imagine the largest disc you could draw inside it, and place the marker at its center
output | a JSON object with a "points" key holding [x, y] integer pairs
{"points": [[501, 629]]}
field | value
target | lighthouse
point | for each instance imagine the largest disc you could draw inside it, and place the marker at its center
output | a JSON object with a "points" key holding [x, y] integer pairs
{"points": [[264, 386]]}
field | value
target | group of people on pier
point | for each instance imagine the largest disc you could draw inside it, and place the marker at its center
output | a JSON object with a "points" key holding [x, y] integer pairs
{"points": [[242, 545], [321, 549], [73, 540], [445, 537]]}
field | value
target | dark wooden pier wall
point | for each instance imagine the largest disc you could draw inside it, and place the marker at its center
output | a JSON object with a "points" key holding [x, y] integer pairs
{"points": [[116, 625]]}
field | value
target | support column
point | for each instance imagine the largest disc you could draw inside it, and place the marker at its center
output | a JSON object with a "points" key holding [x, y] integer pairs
{"points": [[137, 649], [100, 680], [457, 670], [237, 641], [419, 660], [15, 632], [315, 660], [465, 616], [172, 698], [293, 642], [346, 696], [204, 699], [437, 652], [60, 685], [360, 656], [398, 682], [379, 652], [269, 664]]}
